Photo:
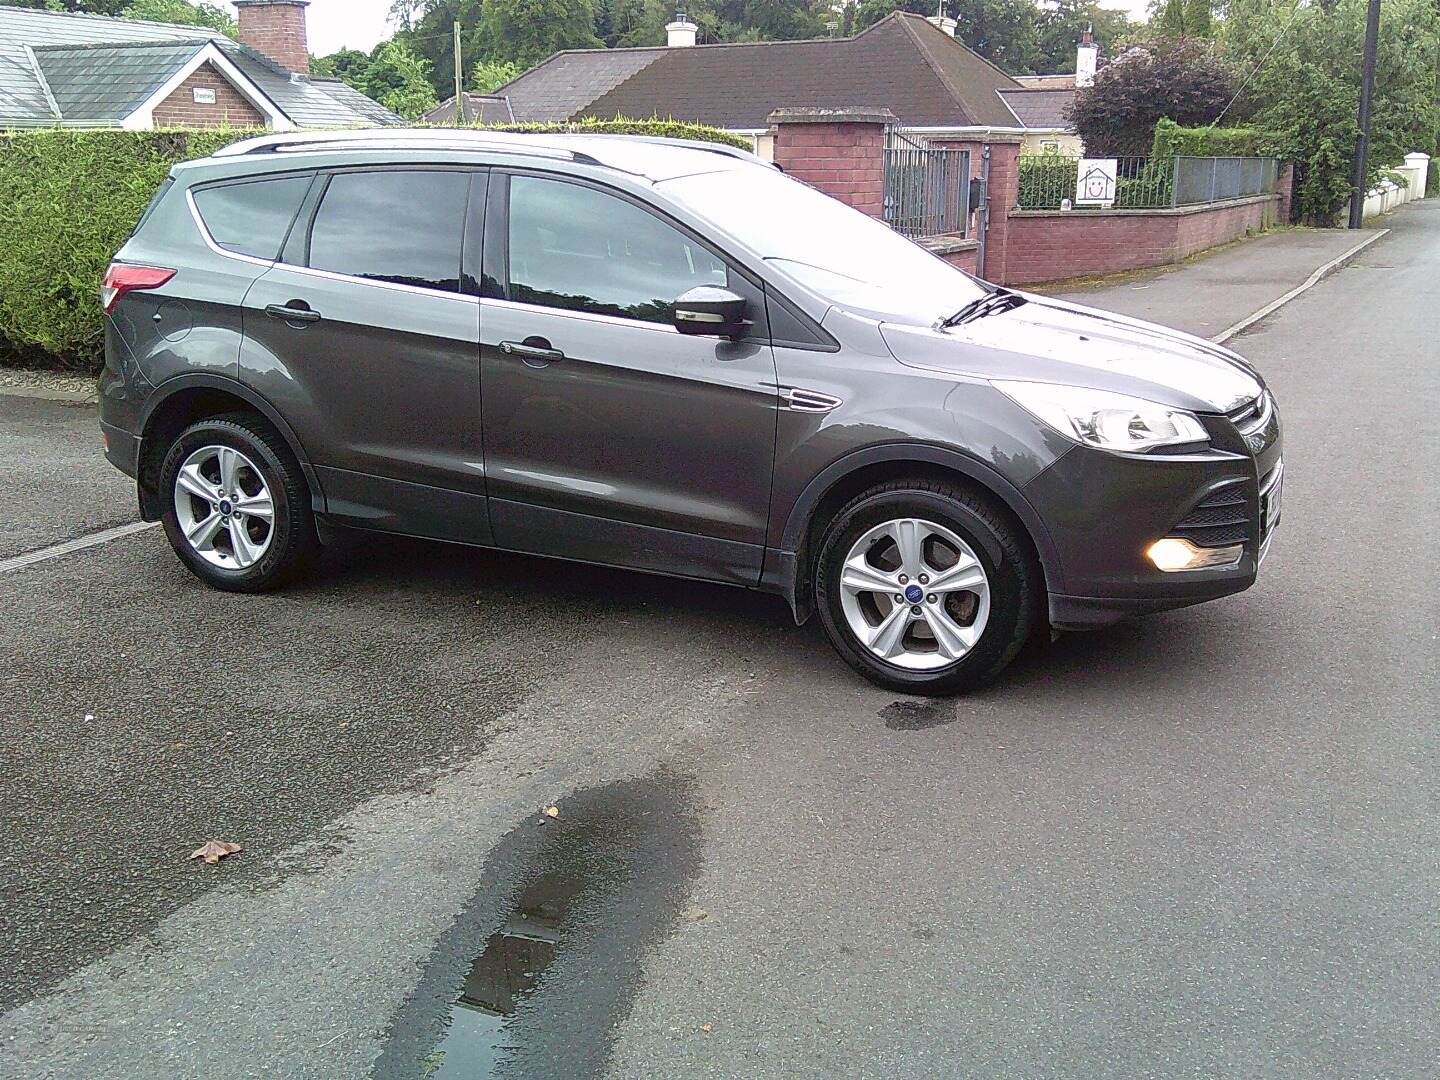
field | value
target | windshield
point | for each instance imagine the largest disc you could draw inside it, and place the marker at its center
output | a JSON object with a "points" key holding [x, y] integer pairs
{"points": [[844, 255]]}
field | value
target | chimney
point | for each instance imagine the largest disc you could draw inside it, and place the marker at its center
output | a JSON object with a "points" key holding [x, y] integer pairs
{"points": [[1087, 58], [680, 34], [276, 29], [943, 21]]}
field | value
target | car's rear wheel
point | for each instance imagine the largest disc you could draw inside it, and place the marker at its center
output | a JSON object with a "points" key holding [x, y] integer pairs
{"points": [[925, 587], [237, 508]]}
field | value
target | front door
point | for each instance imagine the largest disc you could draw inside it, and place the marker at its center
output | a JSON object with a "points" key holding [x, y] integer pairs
{"points": [[367, 339], [609, 436]]}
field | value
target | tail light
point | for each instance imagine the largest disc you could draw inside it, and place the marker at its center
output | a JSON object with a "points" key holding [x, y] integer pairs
{"points": [[122, 278]]}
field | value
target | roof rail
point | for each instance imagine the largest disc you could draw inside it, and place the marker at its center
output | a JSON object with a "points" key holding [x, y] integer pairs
{"points": [[401, 139]]}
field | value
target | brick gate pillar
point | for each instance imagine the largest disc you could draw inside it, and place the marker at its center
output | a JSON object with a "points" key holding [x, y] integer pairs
{"points": [[1004, 193], [839, 151]]}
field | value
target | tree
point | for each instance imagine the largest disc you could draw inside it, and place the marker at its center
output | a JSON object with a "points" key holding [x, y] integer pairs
{"points": [[1180, 18], [348, 65], [184, 12], [88, 7], [489, 75], [1185, 81], [528, 31], [400, 80], [1303, 64], [427, 28], [781, 20], [1060, 24]]}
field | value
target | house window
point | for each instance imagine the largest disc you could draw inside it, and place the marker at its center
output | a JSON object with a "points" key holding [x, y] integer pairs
{"points": [[577, 248]]}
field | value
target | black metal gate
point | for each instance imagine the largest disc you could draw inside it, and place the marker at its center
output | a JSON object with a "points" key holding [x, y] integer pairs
{"points": [[927, 189]]}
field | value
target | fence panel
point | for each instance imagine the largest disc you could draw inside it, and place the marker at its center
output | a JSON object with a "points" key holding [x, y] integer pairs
{"points": [[1214, 179], [1047, 181], [927, 189]]}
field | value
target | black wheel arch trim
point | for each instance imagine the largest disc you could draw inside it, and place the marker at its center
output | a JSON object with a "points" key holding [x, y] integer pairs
{"points": [[211, 381], [785, 566]]}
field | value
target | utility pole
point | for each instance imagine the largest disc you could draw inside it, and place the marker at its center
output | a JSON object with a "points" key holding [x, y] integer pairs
{"points": [[1367, 91], [460, 80]]}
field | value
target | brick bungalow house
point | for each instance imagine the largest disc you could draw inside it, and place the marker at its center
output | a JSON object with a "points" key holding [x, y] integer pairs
{"points": [[87, 71], [913, 66]]}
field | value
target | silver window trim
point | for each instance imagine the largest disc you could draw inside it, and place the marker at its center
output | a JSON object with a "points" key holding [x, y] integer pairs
{"points": [[589, 316]]}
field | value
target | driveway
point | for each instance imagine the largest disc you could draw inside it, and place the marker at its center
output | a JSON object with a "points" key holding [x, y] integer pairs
{"points": [[1199, 845]]}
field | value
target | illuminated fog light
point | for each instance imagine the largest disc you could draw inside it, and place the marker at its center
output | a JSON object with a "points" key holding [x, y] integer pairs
{"points": [[1174, 553]]}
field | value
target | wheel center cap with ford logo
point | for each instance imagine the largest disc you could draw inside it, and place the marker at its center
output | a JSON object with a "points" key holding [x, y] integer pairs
{"points": [[225, 506], [914, 593]]}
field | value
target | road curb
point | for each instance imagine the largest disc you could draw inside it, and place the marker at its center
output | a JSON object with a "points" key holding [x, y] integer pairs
{"points": [[1314, 279]]}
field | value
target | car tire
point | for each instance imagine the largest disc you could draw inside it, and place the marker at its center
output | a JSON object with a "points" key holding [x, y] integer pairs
{"points": [[263, 477], [950, 519]]}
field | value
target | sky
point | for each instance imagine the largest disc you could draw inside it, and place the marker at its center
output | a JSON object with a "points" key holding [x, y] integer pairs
{"points": [[360, 24]]}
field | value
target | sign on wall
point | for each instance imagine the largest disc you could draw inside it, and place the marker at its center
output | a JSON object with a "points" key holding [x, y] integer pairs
{"points": [[204, 96], [1095, 182]]}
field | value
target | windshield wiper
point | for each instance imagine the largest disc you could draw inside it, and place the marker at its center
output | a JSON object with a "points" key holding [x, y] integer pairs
{"points": [[989, 304]]}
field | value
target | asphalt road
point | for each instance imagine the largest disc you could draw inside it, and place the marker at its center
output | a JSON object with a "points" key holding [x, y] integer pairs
{"points": [[1202, 845]]}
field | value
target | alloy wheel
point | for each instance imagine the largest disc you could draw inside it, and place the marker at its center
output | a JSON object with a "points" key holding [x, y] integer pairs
{"points": [[915, 594], [224, 507]]}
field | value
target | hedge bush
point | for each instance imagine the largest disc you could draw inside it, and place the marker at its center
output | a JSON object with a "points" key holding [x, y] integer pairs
{"points": [[69, 199], [655, 127], [1171, 139]]}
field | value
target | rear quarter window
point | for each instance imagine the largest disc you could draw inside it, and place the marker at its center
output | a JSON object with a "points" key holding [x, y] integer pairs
{"points": [[252, 217]]}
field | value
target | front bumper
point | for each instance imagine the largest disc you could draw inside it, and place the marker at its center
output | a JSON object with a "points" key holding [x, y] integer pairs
{"points": [[1104, 510]]}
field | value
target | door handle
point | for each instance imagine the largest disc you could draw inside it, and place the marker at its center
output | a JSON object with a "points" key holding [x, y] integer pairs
{"points": [[297, 311], [532, 348]]}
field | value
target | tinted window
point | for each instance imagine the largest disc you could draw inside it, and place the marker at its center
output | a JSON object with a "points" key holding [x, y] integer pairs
{"points": [[252, 218], [577, 248], [403, 226]]}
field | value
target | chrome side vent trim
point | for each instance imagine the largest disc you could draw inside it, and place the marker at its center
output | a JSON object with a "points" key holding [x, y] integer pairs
{"points": [[812, 401]]}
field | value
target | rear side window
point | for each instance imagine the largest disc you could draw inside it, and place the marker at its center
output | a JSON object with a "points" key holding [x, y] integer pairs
{"points": [[577, 248], [252, 218], [403, 226]]}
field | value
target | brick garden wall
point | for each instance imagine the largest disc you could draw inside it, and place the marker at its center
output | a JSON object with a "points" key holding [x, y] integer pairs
{"points": [[1047, 245], [230, 108]]}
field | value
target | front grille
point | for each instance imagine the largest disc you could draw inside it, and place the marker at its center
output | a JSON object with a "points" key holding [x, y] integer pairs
{"points": [[1223, 518]]}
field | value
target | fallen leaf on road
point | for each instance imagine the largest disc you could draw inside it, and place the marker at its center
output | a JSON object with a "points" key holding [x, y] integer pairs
{"points": [[695, 913], [216, 850], [707, 1028], [552, 811]]}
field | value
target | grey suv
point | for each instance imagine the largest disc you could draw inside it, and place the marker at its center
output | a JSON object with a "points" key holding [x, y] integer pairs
{"points": [[669, 357]]}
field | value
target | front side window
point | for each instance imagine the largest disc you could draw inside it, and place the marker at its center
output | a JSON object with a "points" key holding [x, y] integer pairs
{"points": [[401, 226], [579, 249], [252, 218]]}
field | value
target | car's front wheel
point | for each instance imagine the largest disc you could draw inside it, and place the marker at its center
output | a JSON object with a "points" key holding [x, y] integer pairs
{"points": [[237, 507], [925, 587]]}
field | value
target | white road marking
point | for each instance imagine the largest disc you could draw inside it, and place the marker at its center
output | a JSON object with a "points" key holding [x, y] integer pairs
{"points": [[20, 562], [1310, 282]]}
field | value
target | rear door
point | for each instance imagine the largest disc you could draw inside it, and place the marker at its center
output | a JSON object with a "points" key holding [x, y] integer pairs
{"points": [[366, 337], [609, 436]]}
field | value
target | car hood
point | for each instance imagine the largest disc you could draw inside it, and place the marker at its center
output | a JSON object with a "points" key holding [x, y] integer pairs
{"points": [[1048, 340]]}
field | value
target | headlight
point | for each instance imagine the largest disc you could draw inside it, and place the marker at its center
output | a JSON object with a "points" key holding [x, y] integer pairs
{"points": [[1109, 421]]}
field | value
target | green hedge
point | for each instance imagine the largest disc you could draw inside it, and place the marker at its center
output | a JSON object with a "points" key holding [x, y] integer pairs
{"points": [[69, 199], [1171, 139], [655, 127]]}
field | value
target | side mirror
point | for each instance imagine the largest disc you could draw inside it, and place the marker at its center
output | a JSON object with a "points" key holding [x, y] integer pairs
{"points": [[709, 311]]}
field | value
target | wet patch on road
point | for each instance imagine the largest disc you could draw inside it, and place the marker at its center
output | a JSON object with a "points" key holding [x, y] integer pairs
{"points": [[545, 960], [906, 715]]}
